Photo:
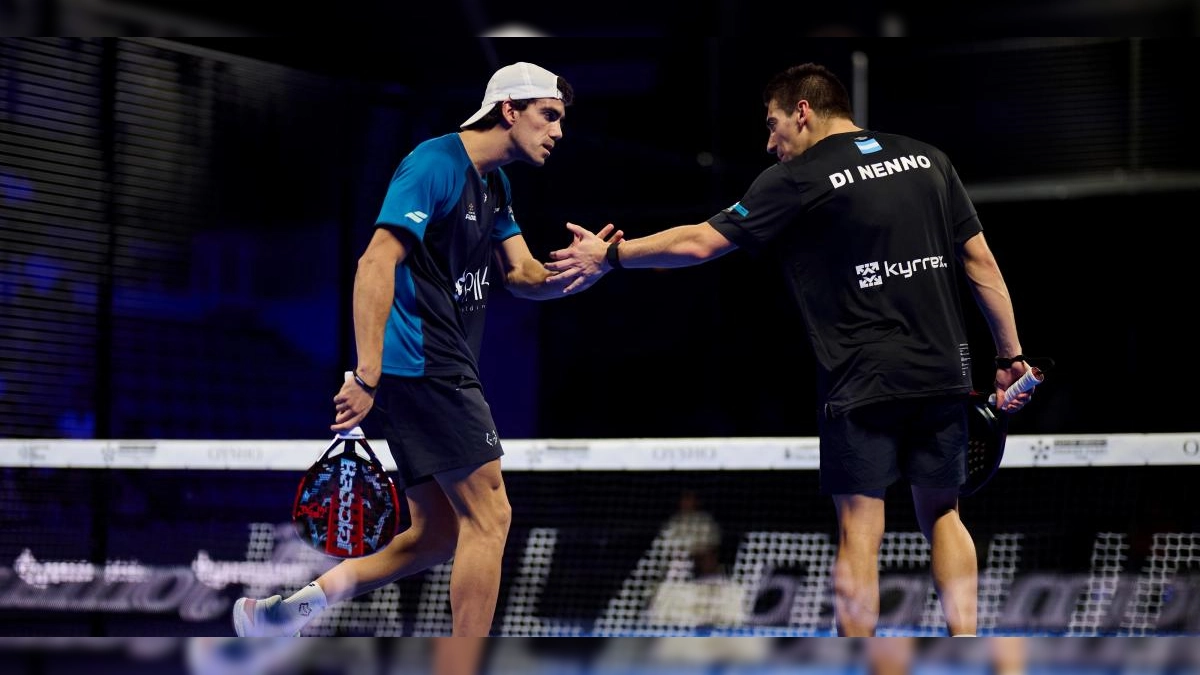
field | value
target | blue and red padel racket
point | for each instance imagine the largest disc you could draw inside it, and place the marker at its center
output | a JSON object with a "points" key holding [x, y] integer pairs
{"points": [[346, 504]]}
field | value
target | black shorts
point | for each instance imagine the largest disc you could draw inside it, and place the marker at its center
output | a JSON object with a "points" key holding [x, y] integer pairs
{"points": [[434, 424], [868, 448]]}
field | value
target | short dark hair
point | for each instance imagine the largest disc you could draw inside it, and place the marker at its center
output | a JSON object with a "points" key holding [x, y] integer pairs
{"points": [[492, 118], [812, 82]]}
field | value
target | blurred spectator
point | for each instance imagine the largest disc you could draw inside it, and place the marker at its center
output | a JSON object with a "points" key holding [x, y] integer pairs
{"points": [[697, 532], [696, 591]]}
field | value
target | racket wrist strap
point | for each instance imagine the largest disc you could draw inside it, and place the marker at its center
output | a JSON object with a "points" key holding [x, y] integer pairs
{"points": [[1004, 362], [362, 383]]}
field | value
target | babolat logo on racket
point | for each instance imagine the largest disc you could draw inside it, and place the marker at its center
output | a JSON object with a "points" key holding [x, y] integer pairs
{"points": [[346, 504]]}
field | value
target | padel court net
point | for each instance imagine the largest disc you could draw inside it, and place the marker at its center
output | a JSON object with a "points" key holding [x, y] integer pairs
{"points": [[1076, 536]]}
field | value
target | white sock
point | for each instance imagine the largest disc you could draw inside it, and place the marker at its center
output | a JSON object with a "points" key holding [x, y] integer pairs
{"points": [[964, 635], [304, 605]]}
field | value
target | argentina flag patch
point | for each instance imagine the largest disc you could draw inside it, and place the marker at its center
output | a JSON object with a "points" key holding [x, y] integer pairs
{"points": [[738, 209], [867, 145]]}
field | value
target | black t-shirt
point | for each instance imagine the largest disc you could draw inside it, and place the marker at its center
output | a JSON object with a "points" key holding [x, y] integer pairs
{"points": [[865, 226]]}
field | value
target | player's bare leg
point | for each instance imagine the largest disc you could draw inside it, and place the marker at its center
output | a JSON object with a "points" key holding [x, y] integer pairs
{"points": [[481, 503], [856, 571], [953, 559], [429, 541]]}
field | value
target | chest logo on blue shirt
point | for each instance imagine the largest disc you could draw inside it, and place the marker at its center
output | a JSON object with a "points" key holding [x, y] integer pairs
{"points": [[470, 290], [867, 145], [471, 213]]}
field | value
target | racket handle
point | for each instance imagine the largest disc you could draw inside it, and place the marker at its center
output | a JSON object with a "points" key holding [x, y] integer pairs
{"points": [[356, 432], [1032, 378]]}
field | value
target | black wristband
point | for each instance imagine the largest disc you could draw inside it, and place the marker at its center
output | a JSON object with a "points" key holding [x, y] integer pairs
{"points": [[613, 256], [366, 387], [1006, 362]]}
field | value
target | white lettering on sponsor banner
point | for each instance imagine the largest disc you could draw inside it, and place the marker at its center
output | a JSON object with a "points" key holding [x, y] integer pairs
{"points": [[166, 590], [783, 577]]}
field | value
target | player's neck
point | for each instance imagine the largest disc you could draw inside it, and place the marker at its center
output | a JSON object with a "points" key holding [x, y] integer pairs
{"points": [[488, 150], [837, 125], [819, 131]]}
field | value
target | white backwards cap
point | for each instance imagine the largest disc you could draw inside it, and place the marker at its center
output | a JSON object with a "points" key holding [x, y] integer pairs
{"points": [[517, 81]]}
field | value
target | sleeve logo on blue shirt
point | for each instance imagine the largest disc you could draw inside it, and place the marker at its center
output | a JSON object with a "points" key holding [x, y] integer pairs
{"points": [[416, 216], [738, 209], [867, 145]]}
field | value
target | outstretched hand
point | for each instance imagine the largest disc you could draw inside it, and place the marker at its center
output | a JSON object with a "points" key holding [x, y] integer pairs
{"points": [[582, 263]]}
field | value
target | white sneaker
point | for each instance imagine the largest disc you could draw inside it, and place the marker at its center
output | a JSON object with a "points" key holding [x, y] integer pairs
{"points": [[261, 618]]}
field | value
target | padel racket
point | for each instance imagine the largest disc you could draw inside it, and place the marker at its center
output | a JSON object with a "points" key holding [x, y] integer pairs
{"points": [[987, 431], [346, 504]]}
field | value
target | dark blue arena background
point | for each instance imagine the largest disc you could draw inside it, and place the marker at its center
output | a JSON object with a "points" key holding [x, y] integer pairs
{"points": [[180, 220]]}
